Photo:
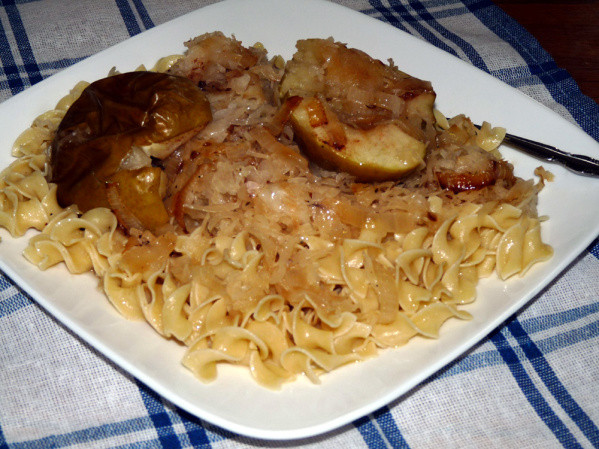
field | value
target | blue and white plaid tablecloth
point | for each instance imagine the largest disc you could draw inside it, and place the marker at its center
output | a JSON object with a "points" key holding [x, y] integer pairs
{"points": [[533, 383]]}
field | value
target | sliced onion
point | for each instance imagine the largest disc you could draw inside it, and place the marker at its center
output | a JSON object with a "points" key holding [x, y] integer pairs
{"points": [[369, 98], [267, 141], [135, 158]]}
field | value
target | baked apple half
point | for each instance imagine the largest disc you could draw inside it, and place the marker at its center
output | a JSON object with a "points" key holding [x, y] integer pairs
{"points": [[105, 146], [353, 113]]}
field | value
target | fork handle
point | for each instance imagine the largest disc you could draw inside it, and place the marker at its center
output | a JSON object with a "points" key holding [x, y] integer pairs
{"points": [[575, 162]]}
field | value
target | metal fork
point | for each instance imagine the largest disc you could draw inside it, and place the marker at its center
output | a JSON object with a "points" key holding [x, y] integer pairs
{"points": [[576, 162]]}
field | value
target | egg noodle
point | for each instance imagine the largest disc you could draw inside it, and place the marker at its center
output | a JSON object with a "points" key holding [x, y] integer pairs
{"points": [[282, 268]]}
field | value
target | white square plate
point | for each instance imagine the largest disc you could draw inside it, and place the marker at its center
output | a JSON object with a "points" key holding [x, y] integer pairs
{"points": [[301, 409]]}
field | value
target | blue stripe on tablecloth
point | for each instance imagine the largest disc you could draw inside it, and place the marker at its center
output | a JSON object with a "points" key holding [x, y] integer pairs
{"points": [[128, 17], [545, 322], [595, 249], [467, 48], [370, 434], [12, 304], [12, 297], [20, 34], [194, 430], [532, 394], [143, 14], [482, 359], [88, 435], [164, 425], [13, 79], [558, 82], [160, 418], [523, 76], [47, 69], [567, 339], [553, 383], [399, 9], [3, 444], [443, 9], [16, 2], [387, 16], [389, 427], [380, 430]]}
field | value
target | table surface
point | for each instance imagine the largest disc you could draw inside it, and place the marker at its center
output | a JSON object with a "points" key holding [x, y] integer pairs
{"points": [[532, 383], [569, 31]]}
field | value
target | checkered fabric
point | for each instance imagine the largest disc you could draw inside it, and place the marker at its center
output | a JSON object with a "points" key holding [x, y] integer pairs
{"points": [[533, 383]]}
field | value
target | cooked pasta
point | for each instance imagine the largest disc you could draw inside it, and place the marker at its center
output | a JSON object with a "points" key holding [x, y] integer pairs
{"points": [[268, 261]]}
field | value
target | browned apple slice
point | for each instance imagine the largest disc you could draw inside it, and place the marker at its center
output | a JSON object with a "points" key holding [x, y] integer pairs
{"points": [[383, 152]]}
